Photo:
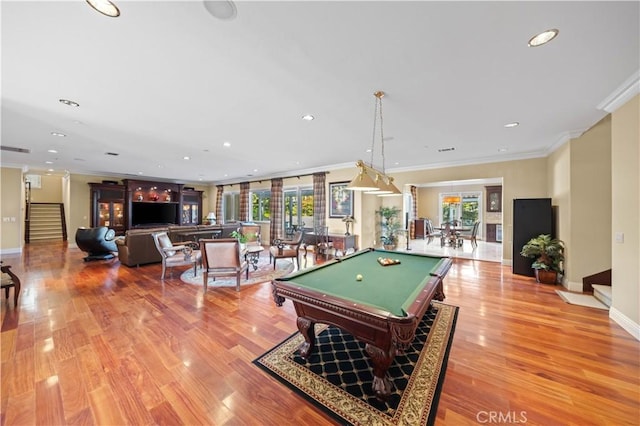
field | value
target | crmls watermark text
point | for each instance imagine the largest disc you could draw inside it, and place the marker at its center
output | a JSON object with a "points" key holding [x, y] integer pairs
{"points": [[509, 417]]}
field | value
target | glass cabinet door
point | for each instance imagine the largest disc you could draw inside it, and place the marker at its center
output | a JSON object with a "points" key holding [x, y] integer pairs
{"points": [[194, 214], [104, 214], [118, 215]]}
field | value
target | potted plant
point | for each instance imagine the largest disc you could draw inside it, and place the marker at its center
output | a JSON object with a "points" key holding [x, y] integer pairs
{"points": [[242, 239], [389, 226], [549, 257]]}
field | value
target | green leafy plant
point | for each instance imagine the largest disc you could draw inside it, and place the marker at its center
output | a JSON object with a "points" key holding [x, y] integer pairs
{"points": [[242, 239], [389, 225], [548, 253]]}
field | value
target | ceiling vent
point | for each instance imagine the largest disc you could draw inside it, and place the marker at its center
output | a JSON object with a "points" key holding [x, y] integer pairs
{"points": [[446, 149], [14, 149]]}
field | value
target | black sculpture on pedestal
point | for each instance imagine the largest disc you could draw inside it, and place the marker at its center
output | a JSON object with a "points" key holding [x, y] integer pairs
{"points": [[98, 242]]}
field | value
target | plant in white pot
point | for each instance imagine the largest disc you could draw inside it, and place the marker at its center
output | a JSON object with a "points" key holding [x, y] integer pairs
{"points": [[549, 257]]}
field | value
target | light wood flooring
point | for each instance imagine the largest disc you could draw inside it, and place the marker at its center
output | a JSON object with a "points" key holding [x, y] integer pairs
{"points": [[104, 344]]}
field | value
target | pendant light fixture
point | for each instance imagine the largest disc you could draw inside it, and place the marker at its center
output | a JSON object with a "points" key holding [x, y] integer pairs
{"points": [[369, 179]]}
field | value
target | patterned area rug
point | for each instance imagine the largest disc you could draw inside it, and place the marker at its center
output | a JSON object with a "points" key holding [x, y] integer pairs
{"points": [[265, 272], [338, 375]]}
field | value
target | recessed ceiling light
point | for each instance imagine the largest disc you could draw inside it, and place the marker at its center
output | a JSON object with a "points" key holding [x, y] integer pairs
{"points": [[49, 170], [255, 170], [513, 124], [53, 151], [69, 103], [105, 7], [221, 9], [368, 150], [139, 173], [308, 117], [186, 157], [543, 38], [48, 162], [502, 149], [62, 135], [226, 144]]}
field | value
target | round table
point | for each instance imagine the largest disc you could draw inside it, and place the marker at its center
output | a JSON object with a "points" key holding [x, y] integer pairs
{"points": [[252, 255]]}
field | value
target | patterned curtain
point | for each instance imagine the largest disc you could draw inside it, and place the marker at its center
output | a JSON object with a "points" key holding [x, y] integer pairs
{"points": [[219, 198], [319, 200], [414, 212], [244, 202], [277, 202]]}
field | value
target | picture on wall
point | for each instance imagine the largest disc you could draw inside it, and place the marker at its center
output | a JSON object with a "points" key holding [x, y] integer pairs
{"points": [[340, 200]]}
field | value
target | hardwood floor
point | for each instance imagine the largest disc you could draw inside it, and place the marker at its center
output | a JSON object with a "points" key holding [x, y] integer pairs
{"points": [[101, 343]]}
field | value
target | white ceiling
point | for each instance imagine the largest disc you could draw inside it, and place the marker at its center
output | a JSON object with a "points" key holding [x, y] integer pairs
{"points": [[167, 80]]}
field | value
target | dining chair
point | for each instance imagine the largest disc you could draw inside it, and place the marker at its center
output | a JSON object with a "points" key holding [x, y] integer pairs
{"points": [[175, 255], [323, 245], [222, 258]]}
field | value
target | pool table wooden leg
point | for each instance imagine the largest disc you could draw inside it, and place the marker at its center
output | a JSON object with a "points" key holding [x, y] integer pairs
{"points": [[306, 328], [381, 362]]}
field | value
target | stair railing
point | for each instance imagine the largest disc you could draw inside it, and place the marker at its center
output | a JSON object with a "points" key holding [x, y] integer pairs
{"points": [[63, 222], [27, 214]]}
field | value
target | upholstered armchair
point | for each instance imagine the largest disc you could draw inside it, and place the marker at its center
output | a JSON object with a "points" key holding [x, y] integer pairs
{"points": [[251, 233], [222, 258], [282, 249], [179, 255]]}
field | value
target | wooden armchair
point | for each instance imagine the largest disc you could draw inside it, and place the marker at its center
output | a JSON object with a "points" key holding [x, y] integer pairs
{"points": [[323, 245], [9, 279], [282, 249], [180, 255], [252, 234], [222, 258]]}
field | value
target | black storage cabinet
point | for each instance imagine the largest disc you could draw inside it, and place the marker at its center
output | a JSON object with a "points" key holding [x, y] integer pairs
{"points": [[531, 217]]}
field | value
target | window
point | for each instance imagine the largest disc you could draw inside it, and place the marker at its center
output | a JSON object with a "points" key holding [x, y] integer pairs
{"points": [[231, 206], [298, 207], [463, 207], [261, 205]]}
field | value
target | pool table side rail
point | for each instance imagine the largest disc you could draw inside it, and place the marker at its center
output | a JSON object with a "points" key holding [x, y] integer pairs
{"points": [[368, 324]]}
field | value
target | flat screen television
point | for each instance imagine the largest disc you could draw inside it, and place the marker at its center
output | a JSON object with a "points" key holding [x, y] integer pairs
{"points": [[154, 214]]}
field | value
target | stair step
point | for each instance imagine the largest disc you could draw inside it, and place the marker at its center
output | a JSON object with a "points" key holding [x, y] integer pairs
{"points": [[602, 293]]}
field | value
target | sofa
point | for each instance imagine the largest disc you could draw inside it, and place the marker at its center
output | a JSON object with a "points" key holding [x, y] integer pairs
{"points": [[138, 248]]}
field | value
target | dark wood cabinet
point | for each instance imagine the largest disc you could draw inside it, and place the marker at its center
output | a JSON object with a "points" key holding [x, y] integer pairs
{"points": [[531, 217], [494, 198], [490, 233], [140, 204], [421, 228], [107, 206], [191, 202]]}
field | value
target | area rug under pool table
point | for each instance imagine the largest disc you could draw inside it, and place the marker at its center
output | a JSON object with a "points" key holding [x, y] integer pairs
{"points": [[337, 376]]}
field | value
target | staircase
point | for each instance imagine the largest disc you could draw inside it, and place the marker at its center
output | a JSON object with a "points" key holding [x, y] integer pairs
{"points": [[602, 293], [46, 222]]}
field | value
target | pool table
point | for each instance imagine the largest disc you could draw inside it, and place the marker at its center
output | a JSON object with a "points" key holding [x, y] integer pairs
{"points": [[379, 305]]}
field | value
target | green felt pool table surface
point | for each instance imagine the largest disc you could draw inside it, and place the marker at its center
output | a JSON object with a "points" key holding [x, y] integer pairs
{"points": [[390, 288]]}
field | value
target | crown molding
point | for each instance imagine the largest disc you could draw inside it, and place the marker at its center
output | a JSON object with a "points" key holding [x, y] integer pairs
{"points": [[622, 94]]}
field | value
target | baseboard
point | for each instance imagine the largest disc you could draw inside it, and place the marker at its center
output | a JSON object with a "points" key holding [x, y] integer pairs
{"points": [[507, 262], [625, 322], [15, 250], [572, 286]]}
